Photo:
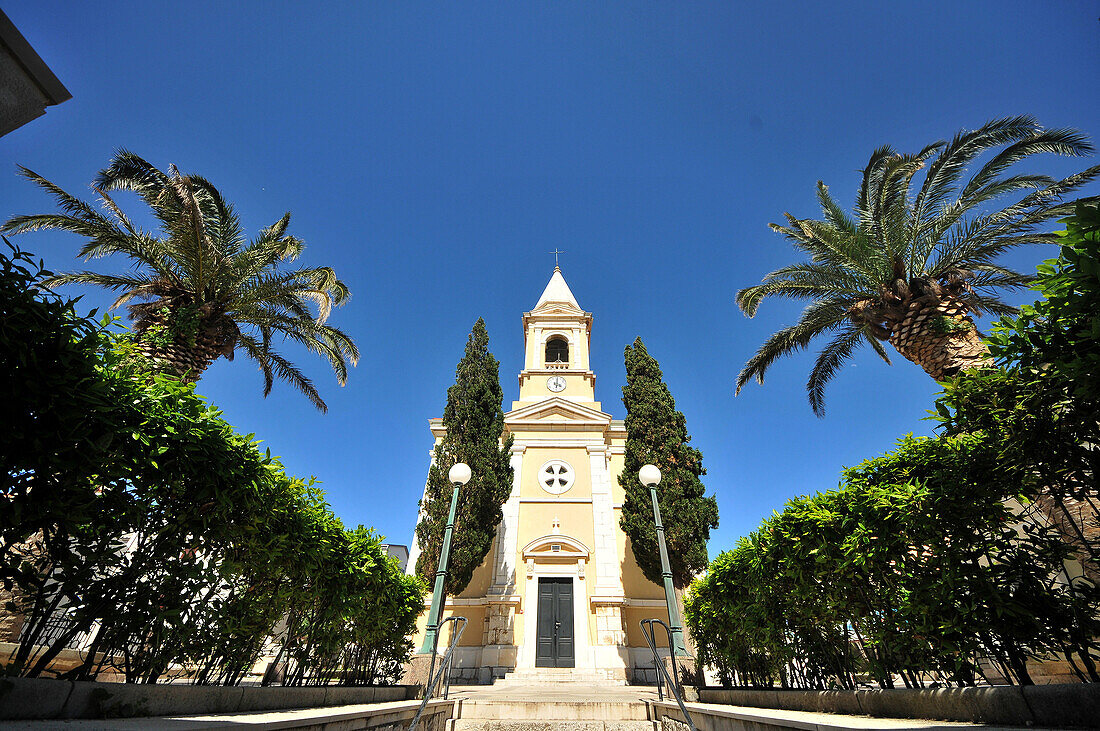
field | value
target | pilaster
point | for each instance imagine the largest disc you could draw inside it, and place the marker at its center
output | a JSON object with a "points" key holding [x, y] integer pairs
{"points": [[609, 580], [504, 579]]}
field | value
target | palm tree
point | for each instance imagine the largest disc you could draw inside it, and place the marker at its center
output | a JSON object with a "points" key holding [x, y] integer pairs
{"points": [[200, 290], [908, 269]]}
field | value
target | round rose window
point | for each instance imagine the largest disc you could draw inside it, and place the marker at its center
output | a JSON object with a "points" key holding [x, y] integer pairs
{"points": [[556, 476]]}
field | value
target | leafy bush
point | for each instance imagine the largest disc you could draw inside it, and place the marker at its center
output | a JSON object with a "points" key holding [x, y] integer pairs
{"points": [[925, 560], [137, 518], [1059, 336]]}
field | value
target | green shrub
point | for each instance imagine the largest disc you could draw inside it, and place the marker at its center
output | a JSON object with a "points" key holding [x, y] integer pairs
{"points": [[924, 561], [136, 515]]}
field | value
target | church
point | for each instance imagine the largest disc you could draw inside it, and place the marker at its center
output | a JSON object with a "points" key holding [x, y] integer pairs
{"points": [[560, 587]]}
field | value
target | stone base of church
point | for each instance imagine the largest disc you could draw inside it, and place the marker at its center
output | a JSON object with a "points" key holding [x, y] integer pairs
{"points": [[415, 671], [549, 676], [487, 665], [471, 665], [483, 665]]}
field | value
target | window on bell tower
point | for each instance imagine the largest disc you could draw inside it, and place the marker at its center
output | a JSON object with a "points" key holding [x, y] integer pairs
{"points": [[557, 350]]}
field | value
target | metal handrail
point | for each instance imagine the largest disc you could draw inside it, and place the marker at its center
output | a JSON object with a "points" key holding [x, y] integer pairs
{"points": [[444, 667], [674, 687]]}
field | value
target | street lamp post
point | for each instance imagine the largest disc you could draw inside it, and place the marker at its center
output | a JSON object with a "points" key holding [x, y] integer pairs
{"points": [[459, 475], [650, 476]]}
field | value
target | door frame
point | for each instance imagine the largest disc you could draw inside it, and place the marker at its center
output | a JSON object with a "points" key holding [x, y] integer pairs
{"points": [[582, 651], [555, 659]]}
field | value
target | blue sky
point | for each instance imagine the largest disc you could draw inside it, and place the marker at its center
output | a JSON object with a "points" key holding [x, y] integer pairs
{"points": [[433, 155]]}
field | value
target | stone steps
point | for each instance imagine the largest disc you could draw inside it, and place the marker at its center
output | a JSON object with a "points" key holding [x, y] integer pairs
{"points": [[569, 714], [474, 724], [563, 675], [564, 709]]}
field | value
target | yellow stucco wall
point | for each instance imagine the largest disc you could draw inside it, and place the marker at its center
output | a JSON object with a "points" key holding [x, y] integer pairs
{"points": [[634, 617], [579, 388], [483, 575], [635, 584]]}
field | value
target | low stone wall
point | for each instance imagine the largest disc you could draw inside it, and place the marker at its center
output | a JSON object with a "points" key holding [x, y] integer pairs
{"points": [[380, 717], [391, 716], [1068, 705], [64, 661], [40, 698], [710, 717]]}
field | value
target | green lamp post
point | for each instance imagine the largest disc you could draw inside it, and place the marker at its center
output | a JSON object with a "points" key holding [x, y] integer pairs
{"points": [[459, 475], [650, 477]]}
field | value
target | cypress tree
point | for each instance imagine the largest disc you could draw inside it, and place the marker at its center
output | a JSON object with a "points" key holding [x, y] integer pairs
{"points": [[474, 421], [657, 434]]}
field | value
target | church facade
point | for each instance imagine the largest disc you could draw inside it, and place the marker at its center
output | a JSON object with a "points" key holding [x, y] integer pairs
{"points": [[560, 587]]}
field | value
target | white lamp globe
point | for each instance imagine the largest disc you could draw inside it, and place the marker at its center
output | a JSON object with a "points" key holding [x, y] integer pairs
{"points": [[649, 475], [460, 473]]}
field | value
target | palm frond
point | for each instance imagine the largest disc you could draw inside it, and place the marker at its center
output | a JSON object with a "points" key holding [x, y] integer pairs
{"points": [[64, 201], [838, 351], [272, 246], [107, 281], [1055, 141], [868, 189], [944, 173], [983, 304], [804, 281], [273, 363], [192, 244], [324, 340], [1043, 205], [121, 219], [876, 345], [131, 286], [827, 244], [817, 318], [103, 238], [834, 214], [999, 278], [223, 225], [128, 171]]}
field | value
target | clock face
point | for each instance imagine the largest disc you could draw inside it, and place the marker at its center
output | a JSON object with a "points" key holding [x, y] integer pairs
{"points": [[555, 383]]}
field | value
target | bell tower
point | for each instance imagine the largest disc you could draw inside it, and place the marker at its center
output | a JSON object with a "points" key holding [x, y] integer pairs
{"points": [[556, 338]]}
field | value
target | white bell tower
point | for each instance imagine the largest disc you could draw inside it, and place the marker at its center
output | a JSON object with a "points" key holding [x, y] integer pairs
{"points": [[556, 339]]}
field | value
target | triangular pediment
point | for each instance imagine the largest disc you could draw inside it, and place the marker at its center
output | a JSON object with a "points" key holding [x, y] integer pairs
{"points": [[554, 413], [556, 409], [557, 308]]}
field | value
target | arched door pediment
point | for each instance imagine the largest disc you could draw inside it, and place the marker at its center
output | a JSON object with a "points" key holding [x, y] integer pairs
{"points": [[556, 546]]}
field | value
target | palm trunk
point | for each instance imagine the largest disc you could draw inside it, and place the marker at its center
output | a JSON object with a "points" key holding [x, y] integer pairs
{"points": [[940, 337], [180, 358]]}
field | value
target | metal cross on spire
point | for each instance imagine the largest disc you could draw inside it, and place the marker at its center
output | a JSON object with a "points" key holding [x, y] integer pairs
{"points": [[555, 252]]}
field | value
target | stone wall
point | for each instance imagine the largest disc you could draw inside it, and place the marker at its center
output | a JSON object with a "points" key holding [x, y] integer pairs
{"points": [[40, 698], [14, 604], [500, 625], [1068, 705], [11, 623], [610, 628]]}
